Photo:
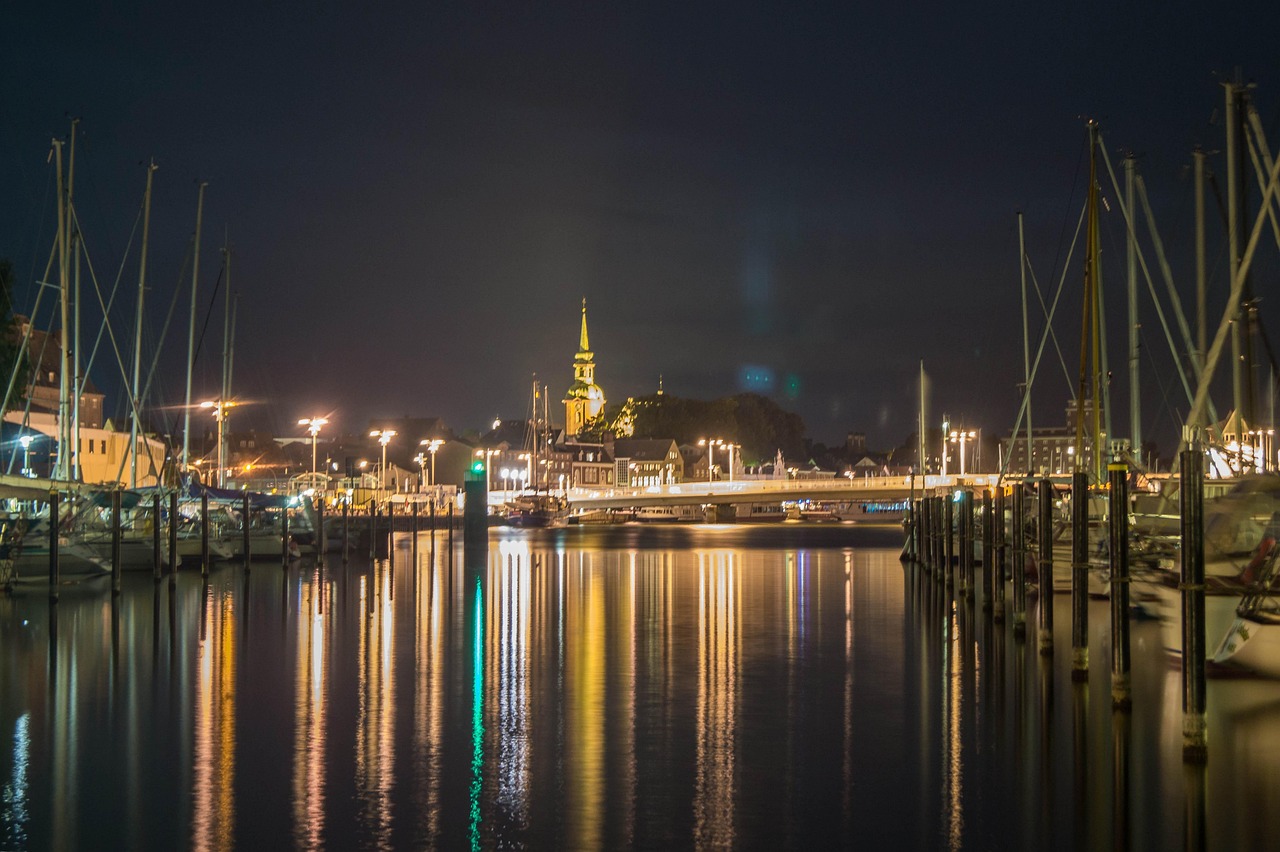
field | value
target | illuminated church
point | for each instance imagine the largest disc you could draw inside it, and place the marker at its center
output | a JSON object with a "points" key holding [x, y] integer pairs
{"points": [[584, 399]]}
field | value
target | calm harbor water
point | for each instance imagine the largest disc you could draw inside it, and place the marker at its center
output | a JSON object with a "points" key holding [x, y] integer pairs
{"points": [[773, 686]]}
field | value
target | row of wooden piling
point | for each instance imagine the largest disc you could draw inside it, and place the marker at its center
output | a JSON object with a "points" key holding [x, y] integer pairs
{"points": [[940, 524], [55, 498]]}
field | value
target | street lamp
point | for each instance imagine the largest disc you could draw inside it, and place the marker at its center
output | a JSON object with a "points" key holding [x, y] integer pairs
{"points": [[26, 440], [710, 444], [731, 447], [432, 445], [313, 425], [220, 407], [961, 437], [384, 437]]}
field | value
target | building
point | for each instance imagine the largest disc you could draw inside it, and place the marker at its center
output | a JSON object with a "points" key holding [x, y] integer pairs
{"points": [[585, 399], [645, 461], [1053, 449]]}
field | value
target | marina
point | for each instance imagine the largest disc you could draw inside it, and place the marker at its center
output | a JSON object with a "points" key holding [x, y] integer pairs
{"points": [[627, 686]]}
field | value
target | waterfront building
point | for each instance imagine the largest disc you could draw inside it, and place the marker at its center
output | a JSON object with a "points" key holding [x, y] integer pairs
{"points": [[645, 461], [1053, 449], [585, 399]]}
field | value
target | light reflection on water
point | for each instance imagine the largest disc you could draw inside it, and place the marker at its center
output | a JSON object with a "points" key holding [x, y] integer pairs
{"points": [[702, 687]]}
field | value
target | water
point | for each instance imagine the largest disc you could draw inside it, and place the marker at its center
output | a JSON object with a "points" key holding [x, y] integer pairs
{"points": [[650, 687]]}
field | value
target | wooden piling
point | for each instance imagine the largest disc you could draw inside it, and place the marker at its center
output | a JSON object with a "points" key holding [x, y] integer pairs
{"points": [[997, 576], [1044, 527], [204, 534], [1194, 730], [413, 540], [966, 544], [173, 539], [115, 542], [55, 565], [449, 518], [244, 528], [1018, 570], [155, 538], [373, 531], [284, 538], [988, 550], [949, 541], [346, 529], [321, 544], [1080, 577], [1118, 472]]}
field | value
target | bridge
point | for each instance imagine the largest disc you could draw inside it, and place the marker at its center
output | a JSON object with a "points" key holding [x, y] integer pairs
{"points": [[723, 493]]}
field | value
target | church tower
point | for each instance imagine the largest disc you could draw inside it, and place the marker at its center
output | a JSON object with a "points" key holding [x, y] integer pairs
{"points": [[584, 399]]}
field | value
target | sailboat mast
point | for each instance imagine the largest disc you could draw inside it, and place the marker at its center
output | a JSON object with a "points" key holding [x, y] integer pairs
{"points": [[1135, 408], [137, 339], [924, 468], [224, 399], [1202, 306], [1233, 93], [74, 434], [1088, 331], [191, 327], [1026, 338]]}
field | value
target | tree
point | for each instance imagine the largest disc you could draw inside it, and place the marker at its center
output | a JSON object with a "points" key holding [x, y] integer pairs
{"points": [[10, 332]]}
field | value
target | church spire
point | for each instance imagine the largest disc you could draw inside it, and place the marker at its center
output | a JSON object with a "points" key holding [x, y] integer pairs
{"points": [[583, 346]]}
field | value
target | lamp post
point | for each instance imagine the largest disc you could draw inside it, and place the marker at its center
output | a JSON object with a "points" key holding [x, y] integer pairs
{"points": [[506, 472], [731, 447], [220, 407], [961, 437], [432, 445], [384, 437], [313, 425], [26, 440], [710, 444]]}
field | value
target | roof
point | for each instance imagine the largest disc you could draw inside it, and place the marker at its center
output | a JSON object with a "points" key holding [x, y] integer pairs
{"points": [[644, 449]]}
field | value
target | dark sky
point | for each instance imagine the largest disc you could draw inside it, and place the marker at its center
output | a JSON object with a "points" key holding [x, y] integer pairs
{"points": [[418, 195]]}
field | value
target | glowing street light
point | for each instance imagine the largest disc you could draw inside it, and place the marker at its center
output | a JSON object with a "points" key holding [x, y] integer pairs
{"points": [[731, 447], [313, 425], [711, 444], [961, 437], [384, 437], [432, 444], [220, 407], [26, 440]]}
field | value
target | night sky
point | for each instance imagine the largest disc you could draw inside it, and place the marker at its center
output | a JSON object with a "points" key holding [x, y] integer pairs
{"points": [[804, 202]]}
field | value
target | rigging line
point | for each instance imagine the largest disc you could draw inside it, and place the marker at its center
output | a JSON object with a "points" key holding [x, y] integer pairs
{"points": [[1075, 182], [1035, 367], [1146, 272], [217, 284], [106, 306], [44, 215], [1062, 360], [1163, 381], [164, 330], [1167, 273], [1258, 154]]}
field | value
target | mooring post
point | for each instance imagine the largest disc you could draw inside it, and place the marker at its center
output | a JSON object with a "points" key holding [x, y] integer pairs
{"points": [[939, 545], [373, 530], [413, 542], [997, 575], [204, 534], [1194, 732], [926, 535], [949, 541], [1119, 529], [155, 538], [115, 541], [173, 538], [284, 538], [321, 544], [1018, 570], [346, 528], [55, 500], [988, 550], [244, 528], [1045, 528], [1080, 577], [449, 518], [391, 537], [966, 544]]}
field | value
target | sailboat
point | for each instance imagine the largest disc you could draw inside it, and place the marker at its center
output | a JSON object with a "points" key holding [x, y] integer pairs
{"points": [[538, 507]]}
